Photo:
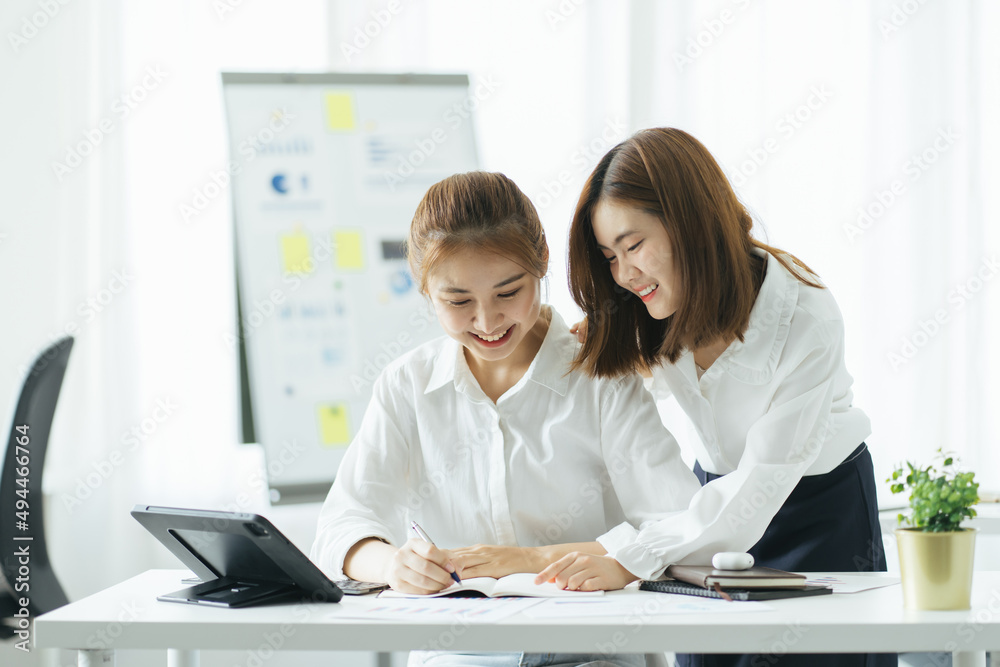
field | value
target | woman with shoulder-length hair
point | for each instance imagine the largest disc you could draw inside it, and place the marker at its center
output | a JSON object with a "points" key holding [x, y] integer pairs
{"points": [[751, 344]]}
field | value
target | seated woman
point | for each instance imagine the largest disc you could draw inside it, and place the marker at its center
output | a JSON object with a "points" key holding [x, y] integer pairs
{"points": [[485, 436]]}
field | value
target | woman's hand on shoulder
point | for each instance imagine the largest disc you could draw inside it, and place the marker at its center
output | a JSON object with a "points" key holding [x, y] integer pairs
{"points": [[579, 571], [489, 560], [421, 568], [580, 329]]}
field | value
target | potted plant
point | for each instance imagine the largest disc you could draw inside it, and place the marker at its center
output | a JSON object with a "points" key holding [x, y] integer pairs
{"points": [[935, 552]]}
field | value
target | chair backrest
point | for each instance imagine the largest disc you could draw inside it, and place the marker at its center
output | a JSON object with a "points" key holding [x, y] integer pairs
{"points": [[21, 515]]}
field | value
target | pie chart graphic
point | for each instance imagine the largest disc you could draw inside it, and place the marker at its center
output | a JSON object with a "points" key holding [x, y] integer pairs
{"points": [[279, 184]]}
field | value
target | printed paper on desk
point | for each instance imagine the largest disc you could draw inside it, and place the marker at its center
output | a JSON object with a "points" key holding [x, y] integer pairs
{"points": [[638, 607], [847, 583], [466, 610]]}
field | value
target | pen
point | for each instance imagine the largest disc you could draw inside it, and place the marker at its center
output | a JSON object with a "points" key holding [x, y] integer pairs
{"points": [[427, 538]]}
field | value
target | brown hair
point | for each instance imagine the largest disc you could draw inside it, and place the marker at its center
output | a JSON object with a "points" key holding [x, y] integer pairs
{"points": [[670, 174], [480, 210]]}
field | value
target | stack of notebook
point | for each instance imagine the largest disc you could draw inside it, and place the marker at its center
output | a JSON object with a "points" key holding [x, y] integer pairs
{"points": [[756, 583]]}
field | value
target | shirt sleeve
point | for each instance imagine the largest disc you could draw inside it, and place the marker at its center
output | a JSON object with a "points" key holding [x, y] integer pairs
{"points": [[732, 512], [367, 498], [642, 457]]}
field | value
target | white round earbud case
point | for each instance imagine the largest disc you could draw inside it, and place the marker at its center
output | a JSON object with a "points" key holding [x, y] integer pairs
{"points": [[732, 560]]}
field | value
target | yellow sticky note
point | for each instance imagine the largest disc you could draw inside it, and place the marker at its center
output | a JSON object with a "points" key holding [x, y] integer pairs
{"points": [[339, 111], [334, 424], [350, 249], [295, 253]]}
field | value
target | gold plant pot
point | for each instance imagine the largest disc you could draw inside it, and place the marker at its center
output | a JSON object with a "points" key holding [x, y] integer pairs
{"points": [[936, 568]]}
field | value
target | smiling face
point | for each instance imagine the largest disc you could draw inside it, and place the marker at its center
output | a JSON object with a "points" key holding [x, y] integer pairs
{"points": [[486, 302], [640, 255]]}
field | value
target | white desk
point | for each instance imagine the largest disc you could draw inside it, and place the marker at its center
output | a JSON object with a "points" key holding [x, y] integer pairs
{"points": [[127, 616]]}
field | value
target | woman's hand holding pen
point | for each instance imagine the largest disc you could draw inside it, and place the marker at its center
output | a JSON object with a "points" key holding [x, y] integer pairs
{"points": [[420, 567]]}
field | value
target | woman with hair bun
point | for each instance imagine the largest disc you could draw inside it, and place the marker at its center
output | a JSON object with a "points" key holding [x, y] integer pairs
{"points": [[485, 437]]}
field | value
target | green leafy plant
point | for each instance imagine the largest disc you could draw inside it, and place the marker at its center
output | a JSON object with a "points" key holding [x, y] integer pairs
{"points": [[941, 497]]}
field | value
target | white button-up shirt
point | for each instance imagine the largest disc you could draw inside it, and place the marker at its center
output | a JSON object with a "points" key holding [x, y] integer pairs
{"points": [[768, 411], [560, 457]]}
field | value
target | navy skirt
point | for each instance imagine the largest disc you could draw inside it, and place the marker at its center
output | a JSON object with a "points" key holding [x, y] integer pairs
{"points": [[828, 523]]}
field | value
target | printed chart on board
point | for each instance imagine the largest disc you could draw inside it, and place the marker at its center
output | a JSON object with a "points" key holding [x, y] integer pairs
{"points": [[326, 173]]}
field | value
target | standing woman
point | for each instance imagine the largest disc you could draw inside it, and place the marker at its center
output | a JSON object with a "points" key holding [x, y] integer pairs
{"points": [[751, 344]]}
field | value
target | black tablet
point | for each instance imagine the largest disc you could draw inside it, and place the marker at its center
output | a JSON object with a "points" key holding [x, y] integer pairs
{"points": [[241, 559]]}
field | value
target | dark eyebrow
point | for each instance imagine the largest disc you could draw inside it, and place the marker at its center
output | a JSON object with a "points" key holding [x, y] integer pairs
{"points": [[618, 239], [502, 283]]}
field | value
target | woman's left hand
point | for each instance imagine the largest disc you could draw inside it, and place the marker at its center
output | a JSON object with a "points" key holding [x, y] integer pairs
{"points": [[488, 560], [586, 572]]}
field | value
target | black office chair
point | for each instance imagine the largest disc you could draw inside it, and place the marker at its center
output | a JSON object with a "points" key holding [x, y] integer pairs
{"points": [[35, 409]]}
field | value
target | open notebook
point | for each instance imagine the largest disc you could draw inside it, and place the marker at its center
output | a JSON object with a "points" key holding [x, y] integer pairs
{"points": [[521, 584]]}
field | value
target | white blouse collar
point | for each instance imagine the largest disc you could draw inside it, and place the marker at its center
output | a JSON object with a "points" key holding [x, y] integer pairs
{"points": [[755, 359], [549, 368]]}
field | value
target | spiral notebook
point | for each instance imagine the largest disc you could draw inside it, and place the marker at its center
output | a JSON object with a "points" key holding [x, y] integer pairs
{"points": [[734, 594]]}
